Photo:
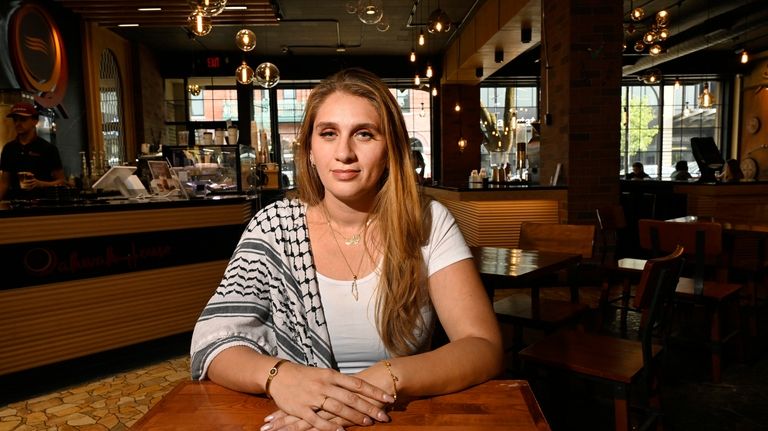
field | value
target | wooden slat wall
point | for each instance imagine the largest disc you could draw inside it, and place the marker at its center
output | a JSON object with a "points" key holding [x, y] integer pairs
{"points": [[497, 223], [45, 228], [55, 322]]}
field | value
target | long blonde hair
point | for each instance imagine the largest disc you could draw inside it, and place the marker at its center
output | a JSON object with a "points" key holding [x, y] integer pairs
{"points": [[398, 209]]}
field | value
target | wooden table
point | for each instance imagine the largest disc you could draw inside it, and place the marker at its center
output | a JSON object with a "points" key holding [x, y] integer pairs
{"points": [[502, 268], [507, 405]]}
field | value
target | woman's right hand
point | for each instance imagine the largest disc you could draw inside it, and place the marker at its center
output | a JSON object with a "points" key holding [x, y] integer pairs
{"points": [[302, 391]]}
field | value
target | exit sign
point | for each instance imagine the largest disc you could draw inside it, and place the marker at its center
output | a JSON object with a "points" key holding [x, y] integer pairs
{"points": [[214, 62]]}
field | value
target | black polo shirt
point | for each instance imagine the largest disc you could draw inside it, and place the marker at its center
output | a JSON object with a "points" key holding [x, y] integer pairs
{"points": [[39, 157]]}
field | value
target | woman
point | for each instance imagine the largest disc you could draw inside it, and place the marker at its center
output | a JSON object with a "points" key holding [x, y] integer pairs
{"points": [[345, 281]]}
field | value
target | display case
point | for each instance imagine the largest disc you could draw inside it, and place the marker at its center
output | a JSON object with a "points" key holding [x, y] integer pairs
{"points": [[212, 168]]}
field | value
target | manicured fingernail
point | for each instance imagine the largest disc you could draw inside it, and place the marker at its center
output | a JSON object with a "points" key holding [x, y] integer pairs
{"points": [[367, 421], [388, 398], [266, 427], [269, 418], [382, 417]]}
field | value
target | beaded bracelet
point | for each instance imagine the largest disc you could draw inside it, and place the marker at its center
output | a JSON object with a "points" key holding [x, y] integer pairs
{"points": [[271, 375], [394, 378]]}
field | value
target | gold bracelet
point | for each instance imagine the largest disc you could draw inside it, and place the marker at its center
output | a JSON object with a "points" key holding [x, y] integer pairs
{"points": [[394, 378], [271, 375]]}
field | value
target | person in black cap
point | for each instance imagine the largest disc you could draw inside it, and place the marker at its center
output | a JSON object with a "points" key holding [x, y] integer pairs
{"points": [[28, 162]]}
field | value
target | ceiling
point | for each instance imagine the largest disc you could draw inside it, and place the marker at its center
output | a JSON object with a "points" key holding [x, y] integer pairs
{"points": [[700, 29]]}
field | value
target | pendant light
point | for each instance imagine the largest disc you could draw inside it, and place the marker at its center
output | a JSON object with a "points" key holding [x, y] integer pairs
{"points": [[429, 71], [370, 11], [199, 24], [208, 7], [267, 75], [744, 57], [245, 39], [244, 74]]}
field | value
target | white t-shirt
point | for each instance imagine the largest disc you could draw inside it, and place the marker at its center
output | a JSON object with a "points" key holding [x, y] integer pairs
{"points": [[352, 324]]}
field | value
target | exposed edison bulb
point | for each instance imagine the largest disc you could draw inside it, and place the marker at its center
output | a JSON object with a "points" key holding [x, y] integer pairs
{"points": [[434, 91], [744, 57], [429, 71], [637, 14], [245, 39], [194, 89], [462, 144], [413, 56], [457, 107], [199, 24], [663, 34], [677, 83], [649, 37], [208, 7], [421, 38], [655, 49], [417, 80], [267, 75], [244, 74], [662, 17]]}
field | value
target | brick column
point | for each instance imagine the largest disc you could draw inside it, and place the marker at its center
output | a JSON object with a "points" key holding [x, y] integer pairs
{"points": [[581, 71]]}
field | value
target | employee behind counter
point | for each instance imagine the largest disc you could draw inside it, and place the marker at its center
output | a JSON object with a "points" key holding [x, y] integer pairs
{"points": [[29, 162]]}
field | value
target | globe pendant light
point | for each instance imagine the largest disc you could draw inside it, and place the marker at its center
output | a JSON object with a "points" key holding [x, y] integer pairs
{"points": [[199, 24], [208, 7], [267, 75], [245, 40], [438, 22], [370, 11], [244, 74]]}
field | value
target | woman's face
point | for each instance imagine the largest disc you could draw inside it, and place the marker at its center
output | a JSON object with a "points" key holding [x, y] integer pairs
{"points": [[348, 148]]}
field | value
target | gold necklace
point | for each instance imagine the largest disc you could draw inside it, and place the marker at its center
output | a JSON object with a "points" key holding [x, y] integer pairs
{"points": [[355, 292], [354, 239]]}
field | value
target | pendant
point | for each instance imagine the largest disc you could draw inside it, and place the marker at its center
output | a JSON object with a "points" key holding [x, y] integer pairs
{"points": [[353, 240], [355, 293]]}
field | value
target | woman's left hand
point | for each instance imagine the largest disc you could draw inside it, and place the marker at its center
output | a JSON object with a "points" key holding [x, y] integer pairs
{"points": [[282, 421]]}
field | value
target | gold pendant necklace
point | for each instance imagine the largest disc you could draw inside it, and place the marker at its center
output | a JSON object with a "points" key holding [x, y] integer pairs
{"points": [[351, 241]]}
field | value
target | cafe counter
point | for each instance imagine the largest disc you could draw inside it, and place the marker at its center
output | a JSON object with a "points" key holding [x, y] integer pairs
{"points": [[84, 278], [491, 216]]}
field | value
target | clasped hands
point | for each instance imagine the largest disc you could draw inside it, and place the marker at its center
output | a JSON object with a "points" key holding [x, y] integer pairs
{"points": [[323, 399]]}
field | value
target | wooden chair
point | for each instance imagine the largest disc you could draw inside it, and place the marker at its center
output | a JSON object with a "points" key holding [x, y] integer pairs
{"points": [[546, 314], [618, 361], [706, 282], [612, 225]]}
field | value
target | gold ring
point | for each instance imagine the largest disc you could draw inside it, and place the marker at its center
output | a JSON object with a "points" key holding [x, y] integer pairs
{"points": [[323, 403]]}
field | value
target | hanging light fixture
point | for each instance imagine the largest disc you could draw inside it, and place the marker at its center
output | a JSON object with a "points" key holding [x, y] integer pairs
{"points": [[194, 89], [267, 75], [637, 14], [383, 24], [370, 11], [421, 38], [706, 99], [662, 18], [429, 71], [651, 76], [655, 49], [434, 91], [413, 55], [677, 83], [417, 80], [245, 40], [438, 22], [244, 74], [351, 7], [199, 23], [208, 7], [462, 143], [744, 57]]}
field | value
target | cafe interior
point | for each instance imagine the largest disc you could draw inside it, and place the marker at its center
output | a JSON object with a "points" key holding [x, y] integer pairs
{"points": [[176, 121]]}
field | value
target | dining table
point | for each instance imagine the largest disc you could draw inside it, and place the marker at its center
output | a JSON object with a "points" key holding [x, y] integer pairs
{"points": [[507, 405], [504, 268]]}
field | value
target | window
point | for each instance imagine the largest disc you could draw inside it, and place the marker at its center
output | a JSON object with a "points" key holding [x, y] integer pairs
{"points": [[505, 118], [111, 110], [417, 112], [658, 122]]}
